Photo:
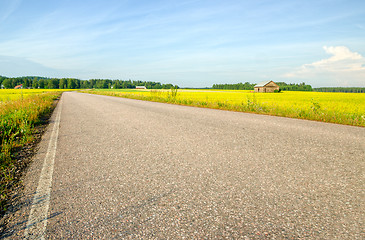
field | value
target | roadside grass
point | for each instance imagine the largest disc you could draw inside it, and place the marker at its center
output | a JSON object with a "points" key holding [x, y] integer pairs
{"points": [[341, 108], [18, 117]]}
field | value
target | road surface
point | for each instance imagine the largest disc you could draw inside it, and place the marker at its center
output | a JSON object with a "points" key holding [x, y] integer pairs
{"points": [[114, 168]]}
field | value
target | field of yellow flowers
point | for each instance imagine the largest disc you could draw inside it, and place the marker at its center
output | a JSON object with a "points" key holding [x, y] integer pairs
{"points": [[342, 108], [13, 94], [20, 111]]}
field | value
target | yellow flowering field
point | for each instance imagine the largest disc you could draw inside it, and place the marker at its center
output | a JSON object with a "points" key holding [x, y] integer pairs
{"points": [[343, 108], [13, 94]]}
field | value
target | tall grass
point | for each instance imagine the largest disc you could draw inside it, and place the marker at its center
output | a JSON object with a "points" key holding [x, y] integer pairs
{"points": [[342, 108], [18, 119]]}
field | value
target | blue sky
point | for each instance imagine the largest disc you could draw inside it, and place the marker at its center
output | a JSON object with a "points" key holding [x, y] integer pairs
{"points": [[187, 42]]}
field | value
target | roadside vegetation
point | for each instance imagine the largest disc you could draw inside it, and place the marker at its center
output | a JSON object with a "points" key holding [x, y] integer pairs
{"points": [[341, 108], [20, 113]]}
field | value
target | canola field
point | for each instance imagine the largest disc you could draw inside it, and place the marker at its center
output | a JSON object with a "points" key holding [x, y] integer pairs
{"points": [[14, 94], [342, 108]]}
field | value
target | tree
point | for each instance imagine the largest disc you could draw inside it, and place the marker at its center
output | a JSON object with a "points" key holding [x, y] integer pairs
{"points": [[84, 84], [14, 82], [101, 84], [77, 83], [63, 83], [53, 83], [25, 83], [2, 79], [71, 83], [116, 84], [41, 83], [7, 83], [35, 84]]}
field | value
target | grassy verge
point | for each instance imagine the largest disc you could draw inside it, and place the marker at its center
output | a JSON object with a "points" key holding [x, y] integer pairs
{"points": [[326, 107], [18, 119]]}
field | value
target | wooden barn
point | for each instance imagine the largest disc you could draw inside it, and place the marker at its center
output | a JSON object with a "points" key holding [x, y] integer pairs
{"points": [[266, 87]]}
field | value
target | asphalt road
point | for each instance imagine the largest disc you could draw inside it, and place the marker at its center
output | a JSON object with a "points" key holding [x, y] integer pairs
{"points": [[142, 170]]}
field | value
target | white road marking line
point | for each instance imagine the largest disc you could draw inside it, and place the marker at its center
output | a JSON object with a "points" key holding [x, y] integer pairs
{"points": [[37, 221]]}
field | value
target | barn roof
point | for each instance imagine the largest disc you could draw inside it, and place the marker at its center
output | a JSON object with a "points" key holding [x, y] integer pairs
{"points": [[262, 84]]}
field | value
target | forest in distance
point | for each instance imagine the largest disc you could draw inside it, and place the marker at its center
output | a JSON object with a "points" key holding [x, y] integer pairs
{"points": [[74, 83]]}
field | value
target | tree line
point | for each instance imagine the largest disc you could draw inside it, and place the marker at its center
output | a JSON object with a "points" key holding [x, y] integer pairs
{"points": [[73, 83], [235, 86], [294, 86], [340, 89], [250, 86]]}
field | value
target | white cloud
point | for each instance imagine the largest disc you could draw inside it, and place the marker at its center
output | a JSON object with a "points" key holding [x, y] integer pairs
{"points": [[343, 68]]}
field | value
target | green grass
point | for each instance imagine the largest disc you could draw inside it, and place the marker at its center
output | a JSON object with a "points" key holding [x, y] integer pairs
{"points": [[18, 118]]}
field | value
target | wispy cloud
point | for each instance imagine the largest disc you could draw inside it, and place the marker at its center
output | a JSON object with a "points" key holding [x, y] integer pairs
{"points": [[362, 27], [15, 66], [343, 67], [8, 9]]}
